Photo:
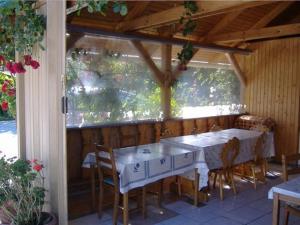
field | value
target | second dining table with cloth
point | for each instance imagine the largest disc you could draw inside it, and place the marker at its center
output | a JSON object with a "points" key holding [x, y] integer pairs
{"points": [[208, 146]]}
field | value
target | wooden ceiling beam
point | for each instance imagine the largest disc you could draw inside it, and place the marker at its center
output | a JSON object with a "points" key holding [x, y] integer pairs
{"points": [[254, 34], [137, 10], [158, 75], [206, 8], [157, 39], [237, 69]]}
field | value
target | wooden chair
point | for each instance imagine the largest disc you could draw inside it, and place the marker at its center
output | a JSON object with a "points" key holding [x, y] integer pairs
{"points": [[258, 160], [228, 155], [286, 162], [108, 176]]}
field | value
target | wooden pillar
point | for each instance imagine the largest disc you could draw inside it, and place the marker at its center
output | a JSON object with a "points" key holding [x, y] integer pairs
{"points": [[42, 124], [166, 51]]}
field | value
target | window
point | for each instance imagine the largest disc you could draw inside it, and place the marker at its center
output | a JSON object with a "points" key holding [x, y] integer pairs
{"points": [[109, 83], [201, 92]]}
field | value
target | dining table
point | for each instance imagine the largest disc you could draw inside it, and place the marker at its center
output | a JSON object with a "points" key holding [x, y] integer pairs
{"points": [[288, 192], [208, 146]]}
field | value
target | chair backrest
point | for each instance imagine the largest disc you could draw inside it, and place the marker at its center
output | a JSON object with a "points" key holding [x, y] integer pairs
{"points": [[229, 153], [215, 127], [106, 165], [287, 161], [259, 148]]}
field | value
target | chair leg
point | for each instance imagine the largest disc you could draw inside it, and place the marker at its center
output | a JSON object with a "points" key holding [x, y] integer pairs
{"points": [[144, 211], [221, 186], [232, 182], [178, 178], [286, 216], [215, 179], [116, 207], [254, 176], [100, 200]]}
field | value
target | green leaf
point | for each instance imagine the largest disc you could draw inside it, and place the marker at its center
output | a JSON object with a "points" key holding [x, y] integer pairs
{"points": [[116, 7]]}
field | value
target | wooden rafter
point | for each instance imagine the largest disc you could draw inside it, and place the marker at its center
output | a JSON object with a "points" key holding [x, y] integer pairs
{"points": [[254, 34], [137, 10], [157, 39], [237, 69], [207, 8], [158, 75], [265, 20]]}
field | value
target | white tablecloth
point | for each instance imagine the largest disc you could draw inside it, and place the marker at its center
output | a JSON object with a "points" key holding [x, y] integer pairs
{"points": [[289, 188], [144, 164], [209, 145]]}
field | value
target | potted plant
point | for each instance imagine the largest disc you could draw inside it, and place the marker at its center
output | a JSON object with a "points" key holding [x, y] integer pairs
{"points": [[22, 193]]}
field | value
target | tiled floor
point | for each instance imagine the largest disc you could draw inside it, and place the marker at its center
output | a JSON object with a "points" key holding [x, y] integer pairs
{"points": [[248, 207]]}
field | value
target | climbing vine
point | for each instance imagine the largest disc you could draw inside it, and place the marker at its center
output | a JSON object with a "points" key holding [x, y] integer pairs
{"points": [[189, 26]]}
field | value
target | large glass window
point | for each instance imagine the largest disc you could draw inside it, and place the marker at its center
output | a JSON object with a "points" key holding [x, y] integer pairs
{"points": [[109, 83], [201, 92]]}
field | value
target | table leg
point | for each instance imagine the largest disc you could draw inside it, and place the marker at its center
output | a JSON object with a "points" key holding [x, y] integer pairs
{"points": [[196, 184], [93, 187], [125, 209], [276, 209]]}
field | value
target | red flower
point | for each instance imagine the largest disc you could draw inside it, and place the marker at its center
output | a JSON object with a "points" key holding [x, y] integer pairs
{"points": [[4, 106], [2, 59], [27, 59], [11, 92], [34, 64], [4, 87], [18, 67], [38, 167], [10, 67]]}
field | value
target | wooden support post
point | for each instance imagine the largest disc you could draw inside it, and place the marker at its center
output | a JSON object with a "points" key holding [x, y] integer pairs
{"points": [[167, 71], [232, 60]]}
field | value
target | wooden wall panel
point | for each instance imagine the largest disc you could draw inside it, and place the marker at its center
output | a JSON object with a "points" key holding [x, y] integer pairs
{"points": [[273, 76]]}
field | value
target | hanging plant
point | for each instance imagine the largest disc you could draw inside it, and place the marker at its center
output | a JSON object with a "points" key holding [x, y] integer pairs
{"points": [[21, 29], [102, 6], [188, 27]]}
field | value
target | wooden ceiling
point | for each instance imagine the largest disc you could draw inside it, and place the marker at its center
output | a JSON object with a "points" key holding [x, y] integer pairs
{"points": [[228, 23]]}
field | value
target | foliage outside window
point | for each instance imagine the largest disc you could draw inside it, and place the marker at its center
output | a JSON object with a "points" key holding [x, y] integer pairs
{"points": [[201, 92], [109, 86]]}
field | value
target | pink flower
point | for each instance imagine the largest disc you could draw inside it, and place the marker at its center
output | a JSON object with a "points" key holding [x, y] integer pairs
{"points": [[11, 92], [2, 59], [27, 59], [38, 167], [19, 68], [34, 161], [4, 106], [4, 87], [10, 67], [34, 64]]}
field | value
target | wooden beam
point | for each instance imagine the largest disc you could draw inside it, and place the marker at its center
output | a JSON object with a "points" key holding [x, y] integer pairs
{"points": [[157, 39], [137, 10], [206, 8], [272, 14], [254, 34], [231, 58], [158, 75], [166, 54]]}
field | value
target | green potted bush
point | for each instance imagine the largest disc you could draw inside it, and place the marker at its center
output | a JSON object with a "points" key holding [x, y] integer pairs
{"points": [[22, 193]]}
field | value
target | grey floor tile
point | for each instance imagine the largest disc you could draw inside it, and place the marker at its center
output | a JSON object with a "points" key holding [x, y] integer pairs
{"points": [[222, 221]]}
